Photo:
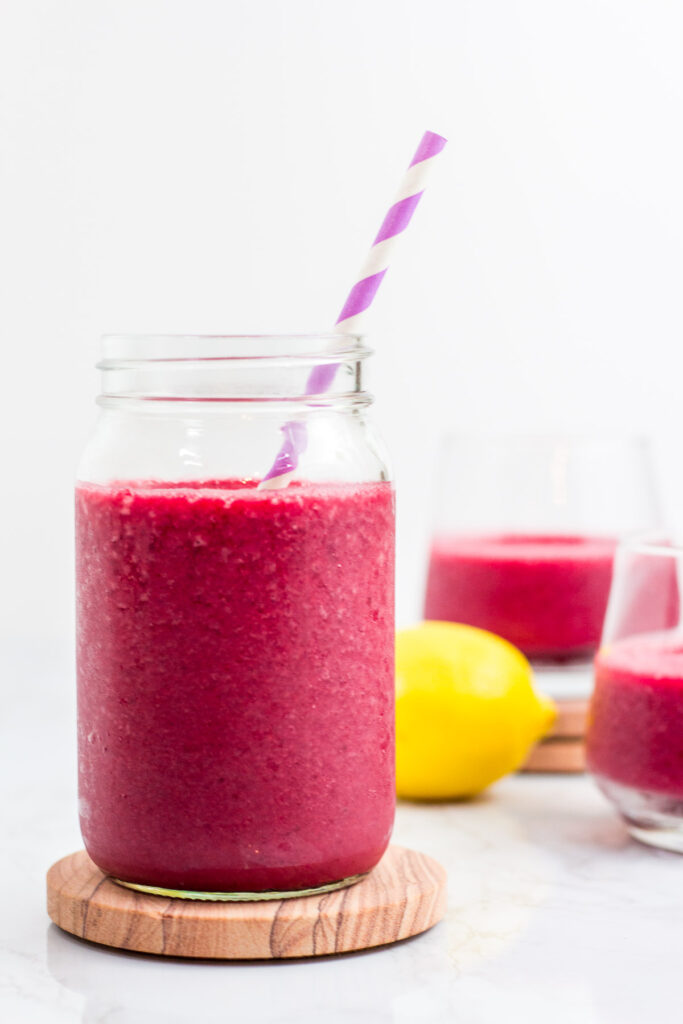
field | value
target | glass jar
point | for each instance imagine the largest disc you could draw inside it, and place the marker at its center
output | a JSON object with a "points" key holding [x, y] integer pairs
{"points": [[235, 643]]}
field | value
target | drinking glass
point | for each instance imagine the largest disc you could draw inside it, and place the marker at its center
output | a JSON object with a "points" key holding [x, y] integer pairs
{"points": [[524, 538], [635, 728]]}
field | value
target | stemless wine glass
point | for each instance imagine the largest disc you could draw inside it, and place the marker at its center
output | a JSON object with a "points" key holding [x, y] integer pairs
{"points": [[524, 538], [635, 726]]}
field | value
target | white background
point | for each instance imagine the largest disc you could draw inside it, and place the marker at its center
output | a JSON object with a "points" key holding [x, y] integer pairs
{"points": [[222, 165]]}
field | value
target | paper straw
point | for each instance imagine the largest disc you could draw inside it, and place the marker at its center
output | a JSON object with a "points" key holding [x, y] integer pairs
{"points": [[360, 298]]}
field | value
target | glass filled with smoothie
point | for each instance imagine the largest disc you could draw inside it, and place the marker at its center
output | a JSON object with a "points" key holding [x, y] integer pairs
{"points": [[635, 727], [524, 539], [234, 641]]}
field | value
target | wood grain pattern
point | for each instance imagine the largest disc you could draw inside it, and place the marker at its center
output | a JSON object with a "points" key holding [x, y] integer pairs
{"points": [[403, 896]]}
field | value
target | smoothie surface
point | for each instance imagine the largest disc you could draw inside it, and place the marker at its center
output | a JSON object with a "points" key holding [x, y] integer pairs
{"points": [[547, 594]]}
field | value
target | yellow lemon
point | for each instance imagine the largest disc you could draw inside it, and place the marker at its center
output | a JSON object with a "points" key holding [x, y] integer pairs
{"points": [[466, 710]]}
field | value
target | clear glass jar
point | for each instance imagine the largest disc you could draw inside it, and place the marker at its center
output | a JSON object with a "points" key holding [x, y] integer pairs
{"points": [[235, 644]]}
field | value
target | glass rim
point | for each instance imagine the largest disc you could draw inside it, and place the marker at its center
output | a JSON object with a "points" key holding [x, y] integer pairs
{"points": [[651, 542]]}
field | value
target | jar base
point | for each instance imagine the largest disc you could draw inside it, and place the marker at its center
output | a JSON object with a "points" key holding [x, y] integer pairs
{"points": [[655, 819], [239, 897]]}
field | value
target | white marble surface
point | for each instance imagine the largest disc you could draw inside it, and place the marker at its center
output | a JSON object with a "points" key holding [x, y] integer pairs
{"points": [[554, 914]]}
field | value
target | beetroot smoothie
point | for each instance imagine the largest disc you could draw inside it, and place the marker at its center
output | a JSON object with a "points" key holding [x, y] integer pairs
{"points": [[235, 682], [635, 735], [545, 594]]}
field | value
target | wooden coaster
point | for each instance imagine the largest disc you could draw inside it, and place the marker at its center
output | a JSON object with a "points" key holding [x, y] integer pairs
{"points": [[572, 718], [563, 749], [404, 895], [557, 755]]}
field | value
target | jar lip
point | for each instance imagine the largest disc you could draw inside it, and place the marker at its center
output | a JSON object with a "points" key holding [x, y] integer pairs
{"points": [[125, 349]]}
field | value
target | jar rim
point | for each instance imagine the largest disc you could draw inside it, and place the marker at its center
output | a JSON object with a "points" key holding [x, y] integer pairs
{"points": [[233, 367], [118, 350]]}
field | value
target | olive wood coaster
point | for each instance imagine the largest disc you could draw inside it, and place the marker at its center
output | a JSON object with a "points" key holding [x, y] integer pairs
{"points": [[403, 896], [563, 749]]}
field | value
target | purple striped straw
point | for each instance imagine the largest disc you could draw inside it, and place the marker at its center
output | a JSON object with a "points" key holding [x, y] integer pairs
{"points": [[360, 298]]}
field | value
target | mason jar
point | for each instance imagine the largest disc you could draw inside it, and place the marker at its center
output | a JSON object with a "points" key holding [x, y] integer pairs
{"points": [[235, 641]]}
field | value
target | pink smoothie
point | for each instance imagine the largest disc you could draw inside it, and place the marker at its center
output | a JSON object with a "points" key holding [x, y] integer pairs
{"points": [[545, 594], [635, 734], [235, 682]]}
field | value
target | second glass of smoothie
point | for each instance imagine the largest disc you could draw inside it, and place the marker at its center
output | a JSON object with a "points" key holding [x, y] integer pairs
{"points": [[524, 540], [635, 728]]}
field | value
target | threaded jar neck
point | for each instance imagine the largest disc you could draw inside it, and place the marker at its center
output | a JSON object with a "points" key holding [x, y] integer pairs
{"points": [[315, 369]]}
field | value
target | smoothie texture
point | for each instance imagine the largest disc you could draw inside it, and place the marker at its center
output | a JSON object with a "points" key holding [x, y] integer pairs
{"points": [[635, 734], [545, 594], [235, 682]]}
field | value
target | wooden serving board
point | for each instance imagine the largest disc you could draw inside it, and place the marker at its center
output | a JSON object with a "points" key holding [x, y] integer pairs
{"points": [[403, 896]]}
